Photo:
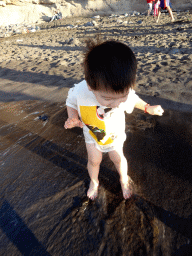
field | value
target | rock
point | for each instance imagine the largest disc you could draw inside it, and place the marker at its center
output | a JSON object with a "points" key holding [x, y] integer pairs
{"points": [[97, 17], [43, 117], [50, 2], [113, 15], [2, 3], [119, 21], [70, 26], [125, 22], [88, 24], [155, 94], [95, 23], [32, 30], [69, 41], [137, 13], [19, 40]]}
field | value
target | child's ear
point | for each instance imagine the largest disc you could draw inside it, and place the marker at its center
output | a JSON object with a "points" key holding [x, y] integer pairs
{"points": [[89, 87]]}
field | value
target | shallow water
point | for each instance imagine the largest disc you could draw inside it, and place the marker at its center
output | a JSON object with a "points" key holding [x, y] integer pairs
{"points": [[44, 181]]}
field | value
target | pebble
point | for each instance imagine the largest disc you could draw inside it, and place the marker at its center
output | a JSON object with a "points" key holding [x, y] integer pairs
{"points": [[156, 94], [89, 24], [119, 21], [94, 23], [43, 118], [70, 26], [96, 17], [69, 41]]}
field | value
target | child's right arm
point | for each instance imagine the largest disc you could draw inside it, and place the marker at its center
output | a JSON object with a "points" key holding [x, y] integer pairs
{"points": [[73, 119]]}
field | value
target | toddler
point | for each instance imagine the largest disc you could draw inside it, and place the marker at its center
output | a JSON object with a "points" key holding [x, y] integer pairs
{"points": [[150, 6], [98, 105], [156, 7]]}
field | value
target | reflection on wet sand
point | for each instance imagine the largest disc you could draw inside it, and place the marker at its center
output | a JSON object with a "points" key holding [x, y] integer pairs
{"points": [[44, 181]]}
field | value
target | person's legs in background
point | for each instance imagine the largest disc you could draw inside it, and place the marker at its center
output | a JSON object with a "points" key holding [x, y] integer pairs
{"points": [[149, 8], [170, 13]]}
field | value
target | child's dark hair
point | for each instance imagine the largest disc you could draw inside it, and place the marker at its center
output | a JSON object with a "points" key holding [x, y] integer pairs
{"points": [[110, 66]]}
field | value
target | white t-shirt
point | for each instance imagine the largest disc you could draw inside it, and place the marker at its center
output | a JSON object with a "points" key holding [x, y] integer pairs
{"points": [[102, 125]]}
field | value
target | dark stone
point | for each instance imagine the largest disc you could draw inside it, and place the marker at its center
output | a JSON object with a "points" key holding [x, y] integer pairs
{"points": [[43, 118]]}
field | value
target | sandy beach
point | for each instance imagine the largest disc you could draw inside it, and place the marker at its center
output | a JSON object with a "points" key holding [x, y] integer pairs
{"points": [[44, 64], [44, 209]]}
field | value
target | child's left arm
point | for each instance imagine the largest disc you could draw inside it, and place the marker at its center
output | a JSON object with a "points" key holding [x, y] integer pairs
{"points": [[152, 110]]}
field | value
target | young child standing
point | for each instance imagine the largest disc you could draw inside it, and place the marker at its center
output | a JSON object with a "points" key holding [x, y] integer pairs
{"points": [[98, 105], [150, 6], [156, 7]]}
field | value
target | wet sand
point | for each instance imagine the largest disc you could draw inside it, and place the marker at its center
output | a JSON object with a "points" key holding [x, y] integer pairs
{"points": [[44, 182], [43, 205]]}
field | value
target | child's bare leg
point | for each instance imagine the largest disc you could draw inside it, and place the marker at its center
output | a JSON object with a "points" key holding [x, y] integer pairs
{"points": [[121, 165], [170, 13], [93, 165]]}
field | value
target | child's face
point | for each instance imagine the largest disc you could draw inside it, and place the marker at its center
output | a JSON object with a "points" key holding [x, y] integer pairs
{"points": [[110, 99]]}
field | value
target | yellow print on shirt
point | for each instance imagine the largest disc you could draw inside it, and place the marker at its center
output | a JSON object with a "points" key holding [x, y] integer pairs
{"points": [[97, 128]]}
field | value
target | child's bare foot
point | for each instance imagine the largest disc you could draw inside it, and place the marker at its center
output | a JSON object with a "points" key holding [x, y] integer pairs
{"points": [[127, 189], [92, 192]]}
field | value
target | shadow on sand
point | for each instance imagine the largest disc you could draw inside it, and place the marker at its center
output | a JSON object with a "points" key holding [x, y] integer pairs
{"points": [[18, 233]]}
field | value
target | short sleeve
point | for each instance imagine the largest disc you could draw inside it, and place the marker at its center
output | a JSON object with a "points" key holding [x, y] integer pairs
{"points": [[132, 99], [71, 100]]}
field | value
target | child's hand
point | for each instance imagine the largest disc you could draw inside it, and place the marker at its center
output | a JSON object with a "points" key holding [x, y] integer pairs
{"points": [[73, 122], [155, 110]]}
